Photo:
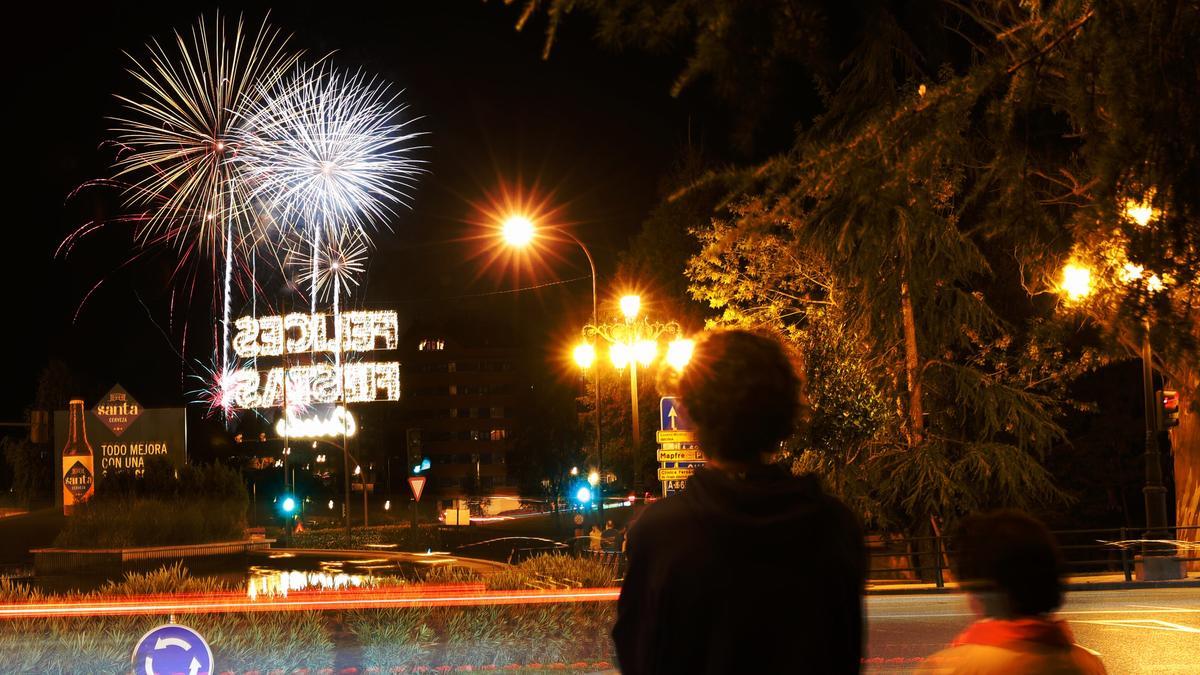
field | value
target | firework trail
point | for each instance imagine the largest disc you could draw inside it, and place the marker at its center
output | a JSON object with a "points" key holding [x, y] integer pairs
{"points": [[327, 153], [181, 140]]}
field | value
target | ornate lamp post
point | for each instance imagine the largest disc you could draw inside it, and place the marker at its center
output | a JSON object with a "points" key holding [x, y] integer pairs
{"points": [[632, 342]]}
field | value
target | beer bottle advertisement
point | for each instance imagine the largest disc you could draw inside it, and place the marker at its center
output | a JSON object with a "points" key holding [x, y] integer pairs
{"points": [[78, 471]]}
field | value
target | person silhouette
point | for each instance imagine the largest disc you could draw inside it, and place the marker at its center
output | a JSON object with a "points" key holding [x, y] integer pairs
{"points": [[749, 568], [1010, 567]]}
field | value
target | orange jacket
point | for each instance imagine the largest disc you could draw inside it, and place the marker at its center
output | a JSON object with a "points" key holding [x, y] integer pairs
{"points": [[1027, 646]]}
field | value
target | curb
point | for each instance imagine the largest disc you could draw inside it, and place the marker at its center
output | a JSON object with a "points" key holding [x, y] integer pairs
{"points": [[1094, 586]]}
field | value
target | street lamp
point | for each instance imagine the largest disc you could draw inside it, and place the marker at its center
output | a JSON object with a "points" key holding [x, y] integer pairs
{"points": [[1076, 282], [585, 355], [1077, 285], [634, 342], [679, 353], [630, 306], [518, 231]]}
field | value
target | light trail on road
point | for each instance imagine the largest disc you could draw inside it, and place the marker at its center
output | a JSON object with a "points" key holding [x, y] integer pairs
{"points": [[437, 596]]}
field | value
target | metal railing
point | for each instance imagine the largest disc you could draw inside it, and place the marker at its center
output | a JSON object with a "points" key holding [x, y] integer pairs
{"points": [[1088, 551]]}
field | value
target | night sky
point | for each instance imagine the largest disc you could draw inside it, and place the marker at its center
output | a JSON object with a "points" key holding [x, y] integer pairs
{"points": [[589, 133]]}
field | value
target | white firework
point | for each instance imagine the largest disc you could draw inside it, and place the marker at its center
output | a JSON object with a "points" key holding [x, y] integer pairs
{"points": [[327, 151], [339, 263]]}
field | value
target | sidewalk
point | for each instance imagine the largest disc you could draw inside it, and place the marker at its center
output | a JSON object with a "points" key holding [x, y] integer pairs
{"points": [[1084, 582]]}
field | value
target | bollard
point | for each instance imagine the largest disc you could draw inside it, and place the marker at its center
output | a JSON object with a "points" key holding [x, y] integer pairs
{"points": [[1125, 558], [937, 557]]}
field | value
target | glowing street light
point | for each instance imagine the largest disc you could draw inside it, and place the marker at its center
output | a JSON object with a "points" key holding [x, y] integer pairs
{"points": [[645, 351], [620, 354], [1076, 282], [630, 306], [679, 352], [1140, 212], [585, 355], [517, 231], [594, 478], [583, 495]]}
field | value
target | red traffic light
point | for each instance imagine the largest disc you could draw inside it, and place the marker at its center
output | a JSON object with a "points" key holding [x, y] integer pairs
{"points": [[1168, 408]]}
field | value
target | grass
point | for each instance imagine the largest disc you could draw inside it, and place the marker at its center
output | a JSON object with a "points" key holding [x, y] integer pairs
{"points": [[562, 636], [103, 644], [559, 633]]}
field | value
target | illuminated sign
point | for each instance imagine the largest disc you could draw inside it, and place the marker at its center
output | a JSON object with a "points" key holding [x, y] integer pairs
{"points": [[337, 423], [361, 331], [316, 383], [309, 385]]}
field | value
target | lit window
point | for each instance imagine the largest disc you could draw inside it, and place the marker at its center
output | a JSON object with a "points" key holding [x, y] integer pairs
{"points": [[431, 345], [499, 434]]}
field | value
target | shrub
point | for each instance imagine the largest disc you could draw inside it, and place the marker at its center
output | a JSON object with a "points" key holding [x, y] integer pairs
{"points": [[162, 507], [553, 570]]}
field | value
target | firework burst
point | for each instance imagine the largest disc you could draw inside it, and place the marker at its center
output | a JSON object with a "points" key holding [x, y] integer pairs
{"points": [[339, 263], [328, 151], [179, 137], [179, 133]]}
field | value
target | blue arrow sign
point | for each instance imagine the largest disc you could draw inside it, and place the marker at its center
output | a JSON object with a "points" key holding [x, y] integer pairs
{"points": [[672, 416], [171, 649]]}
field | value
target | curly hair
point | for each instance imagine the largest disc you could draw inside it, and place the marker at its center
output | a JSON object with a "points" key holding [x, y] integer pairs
{"points": [[743, 393], [1011, 557]]}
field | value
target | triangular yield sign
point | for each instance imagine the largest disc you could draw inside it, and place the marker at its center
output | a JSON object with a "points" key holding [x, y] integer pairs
{"points": [[417, 483]]}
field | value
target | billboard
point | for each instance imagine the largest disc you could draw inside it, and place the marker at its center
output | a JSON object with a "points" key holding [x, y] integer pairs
{"points": [[135, 435]]}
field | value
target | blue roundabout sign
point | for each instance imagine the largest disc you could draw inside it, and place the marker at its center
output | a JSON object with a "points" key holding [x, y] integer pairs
{"points": [[172, 649]]}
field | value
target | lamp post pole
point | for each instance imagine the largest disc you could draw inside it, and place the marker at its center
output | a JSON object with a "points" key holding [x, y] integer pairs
{"points": [[1154, 492], [595, 372]]}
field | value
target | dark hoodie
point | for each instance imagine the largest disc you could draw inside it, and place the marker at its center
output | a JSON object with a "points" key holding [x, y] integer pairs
{"points": [[760, 572]]}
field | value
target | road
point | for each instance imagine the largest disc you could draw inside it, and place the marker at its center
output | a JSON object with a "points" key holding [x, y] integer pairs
{"points": [[1135, 631]]}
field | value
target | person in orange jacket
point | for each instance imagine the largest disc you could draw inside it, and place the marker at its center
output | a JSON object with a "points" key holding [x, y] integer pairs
{"points": [[1011, 568]]}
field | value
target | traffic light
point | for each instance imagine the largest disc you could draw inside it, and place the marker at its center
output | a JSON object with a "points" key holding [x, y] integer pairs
{"points": [[1168, 408], [583, 495], [413, 449]]}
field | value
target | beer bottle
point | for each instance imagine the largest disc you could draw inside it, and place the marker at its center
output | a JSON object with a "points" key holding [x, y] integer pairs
{"points": [[77, 463]]}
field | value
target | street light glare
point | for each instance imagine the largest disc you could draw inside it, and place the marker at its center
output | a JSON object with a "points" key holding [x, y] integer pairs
{"points": [[679, 352], [594, 478], [1076, 282], [583, 495], [620, 354], [517, 231], [645, 351], [630, 306], [1140, 212], [585, 355]]}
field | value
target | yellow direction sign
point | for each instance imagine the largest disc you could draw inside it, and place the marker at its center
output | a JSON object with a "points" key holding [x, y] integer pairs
{"points": [[685, 455], [678, 473], [670, 436]]}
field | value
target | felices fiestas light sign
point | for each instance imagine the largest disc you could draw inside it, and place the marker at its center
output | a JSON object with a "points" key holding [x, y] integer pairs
{"points": [[339, 422], [317, 382], [299, 333]]}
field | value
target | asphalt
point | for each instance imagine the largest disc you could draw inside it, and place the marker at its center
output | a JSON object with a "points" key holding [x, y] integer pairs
{"points": [[1133, 630]]}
